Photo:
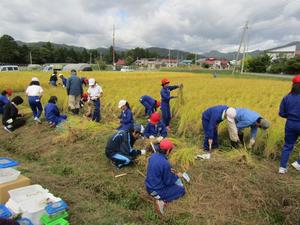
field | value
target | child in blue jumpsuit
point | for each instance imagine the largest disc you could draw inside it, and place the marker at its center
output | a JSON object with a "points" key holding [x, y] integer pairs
{"points": [[53, 79], [161, 182], [34, 92], [290, 109], [126, 117], [4, 99], [210, 121], [165, 100], [52, 112], [119, 148], [63, 80], [155, 128], [150, 104]]}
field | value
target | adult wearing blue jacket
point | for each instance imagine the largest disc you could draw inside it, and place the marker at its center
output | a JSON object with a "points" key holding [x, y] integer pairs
{"points": [[126, 117], [74, 91], [119, 148], [290, 109], [52, 112], [239, 119], [165, 100], [161, 182], [211, 118], [155, 128], [150, 104], [4, 99]]}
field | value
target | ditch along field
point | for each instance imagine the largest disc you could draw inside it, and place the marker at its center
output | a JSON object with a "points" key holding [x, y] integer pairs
{"points": [[234, 187]]}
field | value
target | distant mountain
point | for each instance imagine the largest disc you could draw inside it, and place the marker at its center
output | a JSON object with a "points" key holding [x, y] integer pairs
{"points": [[174, 53], [161, 52], [229, 55], [41, 43]]}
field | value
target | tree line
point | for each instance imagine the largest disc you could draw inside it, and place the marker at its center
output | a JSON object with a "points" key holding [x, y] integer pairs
{"points": [[282, 65], [12, 53]]}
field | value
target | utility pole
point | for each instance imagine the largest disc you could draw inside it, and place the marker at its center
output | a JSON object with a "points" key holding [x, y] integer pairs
{"points": [[30, 58], [113, 50], [90, 58], [169, 57], [195, 59], [243, 42]]}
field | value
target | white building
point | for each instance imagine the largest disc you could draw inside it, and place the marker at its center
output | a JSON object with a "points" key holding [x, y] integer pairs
{"points": [[286, 51]]}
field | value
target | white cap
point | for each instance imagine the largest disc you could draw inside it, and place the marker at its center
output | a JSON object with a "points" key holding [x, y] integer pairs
{"points": [[34, 79], [92, 81], [231, 114], [122, 103]]}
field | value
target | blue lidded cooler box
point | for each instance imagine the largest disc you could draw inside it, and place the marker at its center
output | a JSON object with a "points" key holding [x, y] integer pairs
{"points": [[56, 207], [6, 163], [4, 212], [24, 221]]}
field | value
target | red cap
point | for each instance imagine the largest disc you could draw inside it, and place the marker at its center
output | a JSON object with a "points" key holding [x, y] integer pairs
{"points": [[85, 81], [296, 79], [154, 118], [166, 145], [9, 92], [157, 104], [165, 81], [85, 96]]}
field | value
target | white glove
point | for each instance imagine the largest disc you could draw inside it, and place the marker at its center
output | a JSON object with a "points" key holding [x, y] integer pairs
{"points": [[251, 143], [203, 156], [151, 137], [9, 120], [143, 152], [159, 138]]}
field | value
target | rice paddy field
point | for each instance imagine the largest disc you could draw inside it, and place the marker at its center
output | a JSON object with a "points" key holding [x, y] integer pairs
{"points": [[235, 187]]}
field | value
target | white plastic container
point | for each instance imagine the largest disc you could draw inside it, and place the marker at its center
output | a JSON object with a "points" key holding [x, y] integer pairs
{"points": [[8, 174], [30, 201]]}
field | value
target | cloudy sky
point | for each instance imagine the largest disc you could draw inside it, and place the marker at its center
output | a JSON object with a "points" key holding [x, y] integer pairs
{"points": [[192, 25]]}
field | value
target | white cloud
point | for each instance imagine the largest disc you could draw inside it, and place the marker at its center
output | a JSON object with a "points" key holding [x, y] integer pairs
{"points": [[193, 25]]}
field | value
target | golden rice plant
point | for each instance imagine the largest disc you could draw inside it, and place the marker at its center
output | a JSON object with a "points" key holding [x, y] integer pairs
{"points": [[200, 92]]}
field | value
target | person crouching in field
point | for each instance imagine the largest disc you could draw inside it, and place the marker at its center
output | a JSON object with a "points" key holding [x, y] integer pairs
{"points": [[290, 109], [239, 119], [4, 99], [52, 112], [53, 79], [155, 128], [150, 104], [211, 118], [11, 118], [126, 117], [74, 91], [95, 92], [119, 148], [34, 92], [63, 80], [165, 100], [161, 181]]}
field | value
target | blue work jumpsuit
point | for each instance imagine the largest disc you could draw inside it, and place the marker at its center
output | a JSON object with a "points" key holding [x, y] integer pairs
{"points": [[165, 103], [126, 120], [161, 182], [120, 149], [210, 121], [149, 103], [52, 114], [290, 109], [155, 130]]}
